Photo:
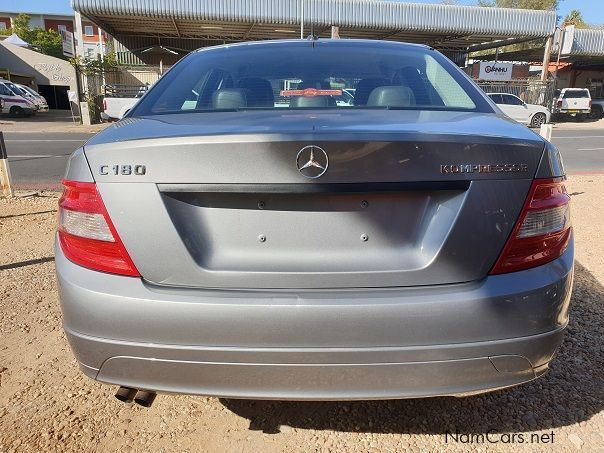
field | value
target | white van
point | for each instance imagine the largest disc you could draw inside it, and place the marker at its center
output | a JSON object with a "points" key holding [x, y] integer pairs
{"points": [[14, 103], [34, 96]]}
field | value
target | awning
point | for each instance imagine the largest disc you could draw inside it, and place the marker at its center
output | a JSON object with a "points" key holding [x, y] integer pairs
{"points": [[449, 27]]}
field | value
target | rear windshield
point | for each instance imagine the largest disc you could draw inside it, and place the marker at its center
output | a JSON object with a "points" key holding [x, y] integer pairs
{"points": [[302, 76], [575, 94]]}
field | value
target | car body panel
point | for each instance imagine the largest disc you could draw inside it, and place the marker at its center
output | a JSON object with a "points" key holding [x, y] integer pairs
{"points": [[121, 330], [323, 229], [370, 279]]}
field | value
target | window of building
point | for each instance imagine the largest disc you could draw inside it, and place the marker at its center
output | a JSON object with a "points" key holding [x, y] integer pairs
{"points": [[2, 26], [61, 28], [89, 30]]}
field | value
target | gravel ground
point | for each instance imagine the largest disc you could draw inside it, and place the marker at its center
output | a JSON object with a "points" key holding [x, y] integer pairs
{"points": [[47, 405]]}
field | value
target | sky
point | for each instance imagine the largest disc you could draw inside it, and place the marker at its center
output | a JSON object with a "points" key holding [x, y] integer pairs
{"points": [[592, 10]]}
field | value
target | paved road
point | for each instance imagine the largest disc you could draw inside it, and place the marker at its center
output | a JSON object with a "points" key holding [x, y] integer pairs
{"points": [[38, 160]]}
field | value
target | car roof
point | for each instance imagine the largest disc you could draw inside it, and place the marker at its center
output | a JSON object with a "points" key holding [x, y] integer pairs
{"points": [[320, 41]]}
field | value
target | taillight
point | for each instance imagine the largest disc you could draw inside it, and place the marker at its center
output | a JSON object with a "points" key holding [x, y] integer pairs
{"points": [[543, 229], [104, 105], [590, 103], [559, 104], [86, 234]]}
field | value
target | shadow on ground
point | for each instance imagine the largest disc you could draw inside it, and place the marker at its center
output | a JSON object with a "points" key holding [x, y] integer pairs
{"points": [[573, 391]]}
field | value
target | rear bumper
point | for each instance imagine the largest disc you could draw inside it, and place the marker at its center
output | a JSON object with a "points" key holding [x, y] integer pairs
{"points": [[317, 345], [572, 112]]}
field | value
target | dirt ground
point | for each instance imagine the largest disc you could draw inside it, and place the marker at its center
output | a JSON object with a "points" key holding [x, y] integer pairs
{"points": [[46, 404]]}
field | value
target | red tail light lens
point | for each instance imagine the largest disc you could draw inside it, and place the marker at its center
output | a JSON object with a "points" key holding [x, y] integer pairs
{"points": [[86, 234], [590, 103], [543, 229], [559, 104], [104, 105]]}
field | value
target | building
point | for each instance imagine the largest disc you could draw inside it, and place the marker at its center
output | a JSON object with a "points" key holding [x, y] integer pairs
{"points": [[52, 77], [583, 51], [576, 60], [93, 38]]}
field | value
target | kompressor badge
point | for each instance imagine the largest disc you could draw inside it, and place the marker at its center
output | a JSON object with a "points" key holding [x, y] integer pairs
{"points": [[484, 168]]}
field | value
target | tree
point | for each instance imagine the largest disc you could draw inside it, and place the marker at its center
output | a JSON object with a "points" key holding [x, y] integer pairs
{"points": [[48, 42], [575, 18], [551, 5], [21, 25]]}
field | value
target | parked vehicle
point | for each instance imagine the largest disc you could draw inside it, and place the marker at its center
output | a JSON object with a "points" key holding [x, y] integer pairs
{"points": [[597, 109], [119, 99], [346, 98], [15, 104], [574, 102], [532, 115], [416, 243], [35, 97]]}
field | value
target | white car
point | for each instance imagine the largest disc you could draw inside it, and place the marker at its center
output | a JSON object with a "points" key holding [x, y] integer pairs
{"points": [[532, 115], [35, 97]]}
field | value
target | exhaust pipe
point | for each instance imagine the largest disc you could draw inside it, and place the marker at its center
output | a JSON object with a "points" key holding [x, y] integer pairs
{"points": [[145, 398], [125, 394]]}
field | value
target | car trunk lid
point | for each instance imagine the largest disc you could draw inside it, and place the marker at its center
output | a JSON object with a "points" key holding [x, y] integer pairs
{"points": [[408, 198]]}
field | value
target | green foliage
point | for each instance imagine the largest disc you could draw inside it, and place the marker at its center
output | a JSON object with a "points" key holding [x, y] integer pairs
{"points": [[90, 66], [48, 42], [551, 5], [21, 25], [575, 18]]}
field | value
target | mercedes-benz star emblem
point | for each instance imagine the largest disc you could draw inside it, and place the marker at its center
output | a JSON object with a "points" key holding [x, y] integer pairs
{"points": [[312, 161]]}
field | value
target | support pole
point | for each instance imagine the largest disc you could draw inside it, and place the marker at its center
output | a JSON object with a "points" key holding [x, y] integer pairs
{"points": [[546, 58], [6, 189], [546, 131], [560, 44], [301, 19]]}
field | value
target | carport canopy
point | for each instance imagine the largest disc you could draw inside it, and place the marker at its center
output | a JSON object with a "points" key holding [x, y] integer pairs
{"points": [[446, 27], [582, 47]]}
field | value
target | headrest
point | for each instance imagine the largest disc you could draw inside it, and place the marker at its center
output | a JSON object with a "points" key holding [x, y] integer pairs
{"points": [[312, 101], [365, 87], [230, 98], [391, 96], [260, 92]]}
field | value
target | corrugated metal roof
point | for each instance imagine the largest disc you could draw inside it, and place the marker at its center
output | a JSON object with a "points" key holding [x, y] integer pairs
{"points": [[366, 14], [584, 42]]}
